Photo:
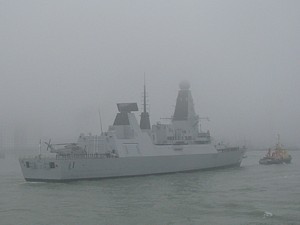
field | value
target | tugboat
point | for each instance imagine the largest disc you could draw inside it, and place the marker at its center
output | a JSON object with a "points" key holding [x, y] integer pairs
{"points": [[277, 156]]}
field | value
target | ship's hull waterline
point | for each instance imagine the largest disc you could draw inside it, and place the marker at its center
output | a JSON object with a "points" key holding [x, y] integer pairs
{"points": [[69, 169]]}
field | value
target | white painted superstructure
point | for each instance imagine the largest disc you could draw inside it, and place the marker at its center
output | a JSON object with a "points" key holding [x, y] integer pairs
{"points": [[130, 149]]}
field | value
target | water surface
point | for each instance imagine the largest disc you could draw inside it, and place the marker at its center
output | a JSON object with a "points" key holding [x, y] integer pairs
{"points": [[252, 194]]}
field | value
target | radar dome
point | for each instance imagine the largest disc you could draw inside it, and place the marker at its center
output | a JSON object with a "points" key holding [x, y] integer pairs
{"points": [[184, 85]]}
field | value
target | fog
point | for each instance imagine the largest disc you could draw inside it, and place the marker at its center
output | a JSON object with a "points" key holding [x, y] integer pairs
{"points": [[62, 61]]}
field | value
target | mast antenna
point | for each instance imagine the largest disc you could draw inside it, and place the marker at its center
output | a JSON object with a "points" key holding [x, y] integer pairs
{"points": [[145, 120], [40, 147], [100, 121], [145, 109]]}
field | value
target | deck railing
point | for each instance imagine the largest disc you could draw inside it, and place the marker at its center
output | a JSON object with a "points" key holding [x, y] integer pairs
{"points": [[76, 156], [87, 156]]}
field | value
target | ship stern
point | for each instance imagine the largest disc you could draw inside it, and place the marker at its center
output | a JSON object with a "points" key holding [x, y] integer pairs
{"points": [[40, 169]]}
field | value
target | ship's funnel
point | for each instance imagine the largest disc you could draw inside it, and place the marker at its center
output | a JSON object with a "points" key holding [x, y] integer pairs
{"points": [[184, 104]]}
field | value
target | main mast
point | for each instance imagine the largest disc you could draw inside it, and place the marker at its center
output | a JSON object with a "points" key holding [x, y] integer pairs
{"points": [[145, 120]]}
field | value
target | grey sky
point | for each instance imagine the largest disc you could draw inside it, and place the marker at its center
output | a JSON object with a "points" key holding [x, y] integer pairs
{"points": [[61, 60]]}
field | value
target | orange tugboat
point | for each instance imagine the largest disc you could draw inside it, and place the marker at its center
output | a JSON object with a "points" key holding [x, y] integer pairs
{"points": [[278, 155]]}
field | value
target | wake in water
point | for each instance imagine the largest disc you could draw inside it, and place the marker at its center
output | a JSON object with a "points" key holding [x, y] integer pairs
{"points": [[267, 214]]}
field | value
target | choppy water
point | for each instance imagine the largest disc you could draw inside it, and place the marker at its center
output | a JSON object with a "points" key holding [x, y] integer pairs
{"points": [[252, 194]]}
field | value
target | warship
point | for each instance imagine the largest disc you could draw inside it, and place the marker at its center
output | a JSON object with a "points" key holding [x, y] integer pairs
{"points": [[129, 148]]}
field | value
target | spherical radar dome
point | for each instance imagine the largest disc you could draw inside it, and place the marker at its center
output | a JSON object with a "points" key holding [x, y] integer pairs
{"points": [[184, 85]]}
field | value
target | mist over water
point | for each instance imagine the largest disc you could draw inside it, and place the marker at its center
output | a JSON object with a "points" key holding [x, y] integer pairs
{"points": [[62, 61]]}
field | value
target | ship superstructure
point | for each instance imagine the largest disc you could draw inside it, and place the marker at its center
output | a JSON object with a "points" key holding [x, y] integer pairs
{"points": [[184, 128], [130, 149]]}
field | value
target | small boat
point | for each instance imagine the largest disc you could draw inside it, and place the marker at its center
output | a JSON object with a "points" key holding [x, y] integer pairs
{"points": [[278, 155]]}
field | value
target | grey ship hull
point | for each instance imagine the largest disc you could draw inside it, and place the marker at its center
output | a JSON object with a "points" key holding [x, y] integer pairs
{"points": [[68, 169], [132, 149]]}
